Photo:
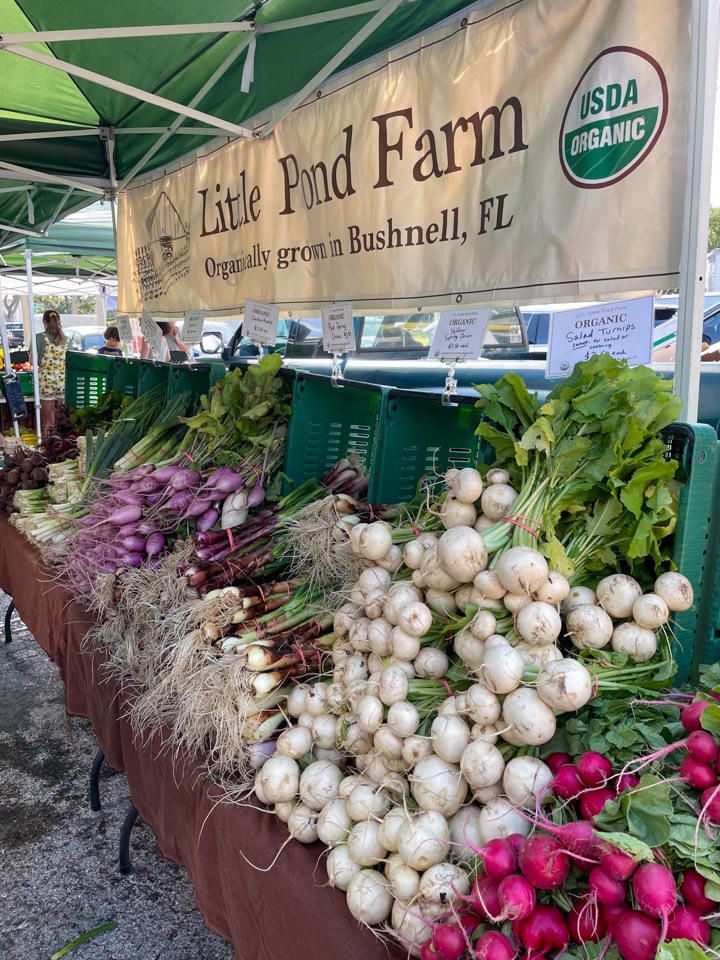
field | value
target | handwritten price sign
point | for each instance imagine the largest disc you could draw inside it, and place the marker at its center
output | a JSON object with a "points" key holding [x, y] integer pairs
{"points": [[337, 326], [261, 322], [459, 334]]}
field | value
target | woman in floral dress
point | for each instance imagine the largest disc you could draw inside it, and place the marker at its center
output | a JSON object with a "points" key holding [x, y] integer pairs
{"points": [[52, 346]]}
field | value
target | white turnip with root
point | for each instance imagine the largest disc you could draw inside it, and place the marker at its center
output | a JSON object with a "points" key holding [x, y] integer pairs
{"points": [[499, 819], [515, 602], [530, 718], [438, 785], [454, 513], [316, 699], [354, 692], [465, 485], [431, 663], [676, 590], [524, 780], [470, 650], [489, 732], [343, 619], [373, 578], [399, 596], [393, 685], [341, 867], [306, 720], [423, 840], [295, 742], [441, 601], [589, 627], [379, 634], [393, 559], [449, 736], [369, 714], [413, 552], [336, 697], [302, 823], [387, 743], [369, 897], [404, 665], [415, 619], [372, 541], [358, 634], [279, 779], [483, 523], [650, 611], [617, 593], [403, 719], [497, 501], [639, 643], [522, 570], [565, 685], [331, 754], [296, 700], [554, 590], [365, 801], [374, 605], [502, 669], [415, 749], [497, 475], [319, 784], [465, 833], [405, 646], [440, 890], [482, 704], [486, 794], [462, 553], [578, 597], [482, 764], [390, 827], [334, 823], [448, 707], [483, 624], [355, 668], [538, 623], [364, 844], [433, 575], [259, 791], [404, 883], [487, 584], [538, 656], [410, 927], [357, 742]]}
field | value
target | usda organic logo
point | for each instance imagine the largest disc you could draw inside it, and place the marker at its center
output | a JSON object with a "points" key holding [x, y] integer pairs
{"points": [[614, 118]]}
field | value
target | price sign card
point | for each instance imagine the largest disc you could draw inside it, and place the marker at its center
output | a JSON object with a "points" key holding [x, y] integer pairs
{"points": [[124, 325], [623, 329], [459, 334], [152, 333], [260, 323], [337, 327], [193, 326]]}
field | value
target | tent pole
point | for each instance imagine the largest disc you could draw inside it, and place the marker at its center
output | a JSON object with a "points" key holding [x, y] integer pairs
{"points": [[693, 258], [33, 345], [6, 349], [50, 178]]}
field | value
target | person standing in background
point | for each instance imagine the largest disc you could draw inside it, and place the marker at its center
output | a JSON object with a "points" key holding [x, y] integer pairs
{"points": [[112, 343], [52, 346], [170, 341]]}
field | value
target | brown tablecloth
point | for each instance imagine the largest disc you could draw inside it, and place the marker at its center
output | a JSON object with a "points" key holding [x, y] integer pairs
{"points": [[263, 914]]}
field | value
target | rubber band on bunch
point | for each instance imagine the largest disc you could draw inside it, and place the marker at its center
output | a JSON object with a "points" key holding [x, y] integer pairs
{"points": [[517, 519], [302, 655], [415, 530], [186, 454], [447, 686], [230, 538]]}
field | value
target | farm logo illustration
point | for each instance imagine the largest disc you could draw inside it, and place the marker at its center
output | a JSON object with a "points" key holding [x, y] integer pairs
{"points": [[614, 118], [165, 258]]}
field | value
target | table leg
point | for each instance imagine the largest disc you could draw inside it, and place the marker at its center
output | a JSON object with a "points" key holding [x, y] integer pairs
{"points": [[126, 830], [8, 615], [94, 781]]}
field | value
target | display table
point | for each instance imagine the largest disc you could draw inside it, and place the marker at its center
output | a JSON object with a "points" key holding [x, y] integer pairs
{"points": [[264, 914]]}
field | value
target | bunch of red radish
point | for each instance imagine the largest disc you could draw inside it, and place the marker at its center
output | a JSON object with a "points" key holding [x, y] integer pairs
{"points": [[636, 905]]}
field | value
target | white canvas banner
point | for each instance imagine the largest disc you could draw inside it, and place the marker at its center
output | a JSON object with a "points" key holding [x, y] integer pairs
{"points": [[537, 152]]}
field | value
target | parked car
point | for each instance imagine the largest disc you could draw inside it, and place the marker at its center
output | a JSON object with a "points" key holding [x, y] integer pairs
{"points": [[85, 339]]}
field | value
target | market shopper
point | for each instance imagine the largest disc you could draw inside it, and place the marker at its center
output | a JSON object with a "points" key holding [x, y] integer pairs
{"points": [[112, 343], [170, 341], [52, 346]]}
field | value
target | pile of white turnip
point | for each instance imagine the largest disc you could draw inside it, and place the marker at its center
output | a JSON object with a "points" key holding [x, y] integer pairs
{"points": [[400, 768]]}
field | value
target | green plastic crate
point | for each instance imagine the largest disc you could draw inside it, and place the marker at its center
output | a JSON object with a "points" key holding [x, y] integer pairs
{"points": [[26, 382], [329, 423], [86, 377], [196, 378], [710, 611], [124, 375], [420, 436], [153, 373], [695, 447]]}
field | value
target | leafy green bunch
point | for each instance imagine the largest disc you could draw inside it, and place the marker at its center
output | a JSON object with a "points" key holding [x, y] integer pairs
{"points": [[589, 464]]}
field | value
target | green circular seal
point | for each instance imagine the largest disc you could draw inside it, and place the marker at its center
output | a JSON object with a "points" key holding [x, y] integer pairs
{"points": [[614, 118]]}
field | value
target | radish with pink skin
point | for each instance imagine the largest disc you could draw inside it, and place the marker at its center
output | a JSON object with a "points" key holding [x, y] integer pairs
{"points": [[692, 889], [567, 785], [687, 923], [593, 769], [700, 776], [544, 861], [655, 892], [617, 864], [493, 945], [690, 716], [544, 929], [586, 921], [516, 897], [637, 936], [605, 888]]}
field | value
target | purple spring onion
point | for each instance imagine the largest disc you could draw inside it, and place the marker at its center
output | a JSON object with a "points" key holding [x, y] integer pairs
{"points": [[256, 496], [155, 544]]}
